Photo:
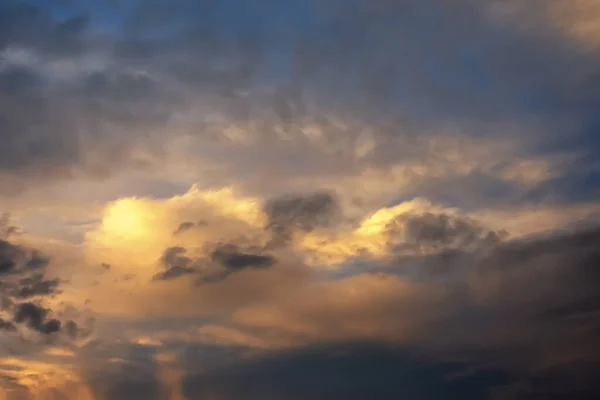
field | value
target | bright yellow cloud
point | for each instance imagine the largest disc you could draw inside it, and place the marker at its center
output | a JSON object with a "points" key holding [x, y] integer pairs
{"points": [[129, 219], [135, 231]]}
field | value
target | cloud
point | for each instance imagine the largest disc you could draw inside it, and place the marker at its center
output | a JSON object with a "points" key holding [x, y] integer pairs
{"points": [[299, 212], [36, 285], [227, 258], [439, 232], [351, 371], [233, 259], [290, 306], [35, 318], [24, 272], [7, 325], [16, 260], [382, 185], [528, 314], [184, 226], [175, 264], [210, 92]]}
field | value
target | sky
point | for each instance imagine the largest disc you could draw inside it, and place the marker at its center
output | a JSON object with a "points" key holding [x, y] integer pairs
{"points": [[299, 199]]}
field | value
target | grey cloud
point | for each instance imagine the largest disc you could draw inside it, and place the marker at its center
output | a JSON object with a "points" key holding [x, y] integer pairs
{"points": [[24, 272], [24, 278], [184, 226], [357, 62], [220, 262], [71, 329], [36, 285], [28, 25], [175, 264], [173, 256], [439, 232], [10, 255], [15, 259], [82, 121], [356, 371], [34, 317], [561, 271], [134, 378], [173, 272], [300, 212], [6, 227], [521, 299], [7, 325], [233, 259]]}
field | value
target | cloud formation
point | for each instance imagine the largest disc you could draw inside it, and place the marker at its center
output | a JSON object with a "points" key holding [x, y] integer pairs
{"points": [[302, 199]]}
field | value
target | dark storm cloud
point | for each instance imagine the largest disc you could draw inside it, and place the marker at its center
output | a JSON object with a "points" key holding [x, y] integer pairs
{"points": [[353, 371], [530, 305]]}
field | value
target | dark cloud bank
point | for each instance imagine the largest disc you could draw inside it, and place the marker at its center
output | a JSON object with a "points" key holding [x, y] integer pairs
{"points": [[526, 327]]}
